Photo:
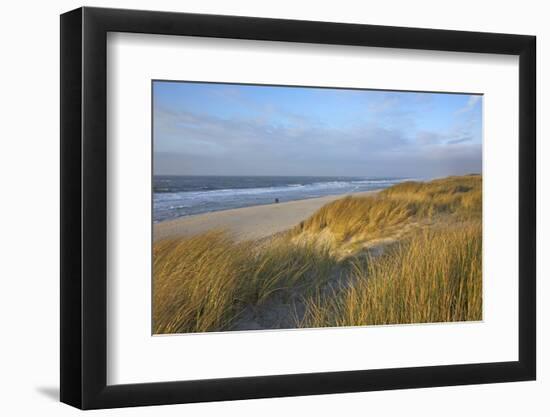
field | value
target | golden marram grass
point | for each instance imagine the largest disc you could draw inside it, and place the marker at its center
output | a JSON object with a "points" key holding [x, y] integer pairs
{"points": [[408, 254]]}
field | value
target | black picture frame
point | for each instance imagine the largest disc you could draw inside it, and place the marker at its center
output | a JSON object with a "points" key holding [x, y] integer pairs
{"points": [[84, 207]]}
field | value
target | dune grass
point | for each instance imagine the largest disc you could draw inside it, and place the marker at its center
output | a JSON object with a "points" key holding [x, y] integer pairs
{"points": [[349, 222], [429, 272], [434, 276], [202, 283]]}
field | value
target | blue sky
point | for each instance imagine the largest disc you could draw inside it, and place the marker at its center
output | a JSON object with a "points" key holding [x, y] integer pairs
{"points": [[229, 129]]}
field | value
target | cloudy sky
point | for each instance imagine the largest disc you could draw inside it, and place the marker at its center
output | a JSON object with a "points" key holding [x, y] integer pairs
{"points": [[228, 129]]}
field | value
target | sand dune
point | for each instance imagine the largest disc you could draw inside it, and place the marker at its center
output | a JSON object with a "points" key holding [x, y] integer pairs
{"points": [[249, 222]]}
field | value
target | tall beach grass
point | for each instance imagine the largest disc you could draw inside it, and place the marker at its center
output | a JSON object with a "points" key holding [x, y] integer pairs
{"points": [[428, 271], [433, 276], [202, 283]]}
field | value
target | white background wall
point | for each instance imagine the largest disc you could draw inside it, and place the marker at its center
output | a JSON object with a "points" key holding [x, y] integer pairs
{"points": [[29, 237]]}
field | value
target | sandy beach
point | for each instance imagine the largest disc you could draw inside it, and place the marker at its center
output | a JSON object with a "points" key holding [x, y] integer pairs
{"points": [[254, 222], [329, 272]]}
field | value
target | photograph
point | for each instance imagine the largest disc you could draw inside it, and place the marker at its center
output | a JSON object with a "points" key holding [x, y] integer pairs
{"points": [[286, 207], [284, 204]]}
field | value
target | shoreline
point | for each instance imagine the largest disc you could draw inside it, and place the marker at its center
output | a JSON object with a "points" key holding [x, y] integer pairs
{"points": [[253, 222]]}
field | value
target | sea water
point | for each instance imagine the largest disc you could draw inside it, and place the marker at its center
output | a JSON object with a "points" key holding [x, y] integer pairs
{"points": [[176, 196]]}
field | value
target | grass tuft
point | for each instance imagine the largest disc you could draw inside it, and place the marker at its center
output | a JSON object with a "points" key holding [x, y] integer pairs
{"points": [[434, 276], [202, 283]]}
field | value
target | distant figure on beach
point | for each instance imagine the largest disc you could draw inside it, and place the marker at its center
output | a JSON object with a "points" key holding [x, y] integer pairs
{"points": [[276, 200]]}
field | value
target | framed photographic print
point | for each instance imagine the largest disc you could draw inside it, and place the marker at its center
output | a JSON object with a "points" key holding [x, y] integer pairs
{"points": [[258, 207]]}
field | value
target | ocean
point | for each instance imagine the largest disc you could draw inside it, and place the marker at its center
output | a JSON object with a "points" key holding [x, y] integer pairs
{"points": [[176, 196]]}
